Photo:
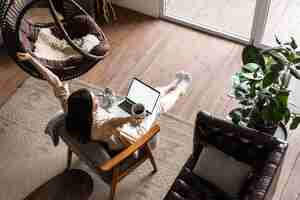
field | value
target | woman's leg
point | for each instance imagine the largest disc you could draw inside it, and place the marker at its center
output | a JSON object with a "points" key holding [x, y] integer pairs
{"points": [[166, 89], [171, 93], [168, 101]]}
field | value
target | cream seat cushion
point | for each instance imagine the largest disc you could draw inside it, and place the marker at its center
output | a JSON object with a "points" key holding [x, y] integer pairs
{"points": [[222, 170]]}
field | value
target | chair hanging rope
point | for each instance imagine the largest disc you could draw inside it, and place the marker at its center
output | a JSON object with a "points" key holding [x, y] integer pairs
{"points": [[20, 34], [4, 5]]}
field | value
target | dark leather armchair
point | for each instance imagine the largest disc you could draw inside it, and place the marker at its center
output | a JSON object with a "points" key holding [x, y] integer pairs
{"points": [[263, 152]]}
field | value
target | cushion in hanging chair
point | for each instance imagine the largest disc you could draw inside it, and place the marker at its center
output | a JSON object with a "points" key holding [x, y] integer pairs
{"points": [[82, 30]]}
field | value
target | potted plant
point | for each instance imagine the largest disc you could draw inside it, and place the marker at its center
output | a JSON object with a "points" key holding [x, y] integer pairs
{"points": [[261, 88]]}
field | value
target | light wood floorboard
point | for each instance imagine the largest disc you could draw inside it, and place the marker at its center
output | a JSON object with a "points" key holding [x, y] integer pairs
{"points": [[11, 76], [154, 50]]}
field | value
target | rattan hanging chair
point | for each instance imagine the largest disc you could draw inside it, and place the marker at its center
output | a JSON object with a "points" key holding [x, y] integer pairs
{"points": [[20, 34]]}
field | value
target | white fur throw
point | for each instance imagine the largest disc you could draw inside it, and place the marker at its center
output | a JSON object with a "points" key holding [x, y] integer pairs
{"points": [[48, 46]]}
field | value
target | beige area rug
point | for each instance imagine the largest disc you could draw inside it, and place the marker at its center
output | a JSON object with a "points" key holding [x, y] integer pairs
{"points": [[28, 157]]}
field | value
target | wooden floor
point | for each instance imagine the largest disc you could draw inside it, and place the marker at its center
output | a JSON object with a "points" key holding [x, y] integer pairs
{"points": [[154, 50], [11, 77]]}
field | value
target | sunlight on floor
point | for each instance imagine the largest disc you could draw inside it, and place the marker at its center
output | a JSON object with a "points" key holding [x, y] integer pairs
{"points": [[284, 21], [231, 16], [234, 16]]}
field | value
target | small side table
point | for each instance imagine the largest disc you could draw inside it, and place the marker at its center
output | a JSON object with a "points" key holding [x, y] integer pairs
{"points": [[72, 184]]}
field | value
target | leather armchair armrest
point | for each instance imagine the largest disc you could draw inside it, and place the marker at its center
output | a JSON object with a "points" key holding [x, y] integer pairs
{"points": [[263, 187]]}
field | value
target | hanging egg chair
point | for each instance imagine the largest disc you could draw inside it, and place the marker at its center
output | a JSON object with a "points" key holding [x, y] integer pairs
{"points": [[69, 47]]}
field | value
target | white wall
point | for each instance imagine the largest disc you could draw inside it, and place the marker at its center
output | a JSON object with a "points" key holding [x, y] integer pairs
{"points": [[148, 7]]}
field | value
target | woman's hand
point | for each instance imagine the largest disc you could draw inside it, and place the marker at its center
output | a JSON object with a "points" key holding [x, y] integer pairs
{"points": [[23, 56], [135, 120]]}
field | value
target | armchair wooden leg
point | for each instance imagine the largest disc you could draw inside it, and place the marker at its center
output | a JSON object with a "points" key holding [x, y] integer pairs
{"points": [[69, 159], [150, 155], [115, 177]]}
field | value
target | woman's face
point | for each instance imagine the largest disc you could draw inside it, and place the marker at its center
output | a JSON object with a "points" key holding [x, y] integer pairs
{"points": [[95, 102]]}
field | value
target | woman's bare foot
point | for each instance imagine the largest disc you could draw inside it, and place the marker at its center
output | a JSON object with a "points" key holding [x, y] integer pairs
{"points": [[172, 86], [184, 83], [23, 56]]}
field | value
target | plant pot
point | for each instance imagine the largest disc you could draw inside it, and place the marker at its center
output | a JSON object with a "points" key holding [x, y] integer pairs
{"points": [[281, 132], [266, 129], [278, 130]]}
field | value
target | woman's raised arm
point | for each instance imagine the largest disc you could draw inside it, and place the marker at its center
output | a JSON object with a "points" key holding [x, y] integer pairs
{"points": [[61, 91], [46, 73]]}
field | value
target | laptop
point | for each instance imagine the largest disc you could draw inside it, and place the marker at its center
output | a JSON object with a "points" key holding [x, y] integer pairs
{"points": [[140, 92]]}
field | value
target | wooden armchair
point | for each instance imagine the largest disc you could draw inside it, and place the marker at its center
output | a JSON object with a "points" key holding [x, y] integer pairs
{"points": [[112, 167]]}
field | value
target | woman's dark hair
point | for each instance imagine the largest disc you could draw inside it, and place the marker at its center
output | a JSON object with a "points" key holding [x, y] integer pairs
{"points": [[79, 117]]}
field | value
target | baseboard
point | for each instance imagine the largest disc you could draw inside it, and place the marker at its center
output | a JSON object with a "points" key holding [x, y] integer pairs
{"points": [[149, 7]]}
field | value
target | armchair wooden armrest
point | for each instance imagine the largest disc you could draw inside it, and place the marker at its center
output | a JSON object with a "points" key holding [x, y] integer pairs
{"points": [[110, 164]]}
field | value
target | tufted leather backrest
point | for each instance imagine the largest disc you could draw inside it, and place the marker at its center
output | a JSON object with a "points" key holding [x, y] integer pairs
{"points": [[244, 144]]}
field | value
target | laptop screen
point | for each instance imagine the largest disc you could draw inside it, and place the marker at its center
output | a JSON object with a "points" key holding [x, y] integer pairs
{"points": [[139, 92]]}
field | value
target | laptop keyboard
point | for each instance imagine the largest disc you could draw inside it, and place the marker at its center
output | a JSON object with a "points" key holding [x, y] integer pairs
{"points": [[126, 106]]}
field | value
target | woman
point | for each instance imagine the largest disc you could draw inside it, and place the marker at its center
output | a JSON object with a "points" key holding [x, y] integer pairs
{"points": [[88, 121]]}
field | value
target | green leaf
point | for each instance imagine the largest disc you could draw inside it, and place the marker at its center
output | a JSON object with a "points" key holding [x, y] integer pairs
{"points": [[244, 87], [282, 98], [239, 94], [249, 76], [293, 43], [269, 60], [270, 78], [236, 115], [297, 66], [245, 112], [295, 73], [277, 111], [276, 67], [296, 58], [246, 102], [250, 67], [278, 57], [236, 80], [252, 54], [285, 79], [295, 123], [241, 90], [253, 76], [291, 56], [277, 40], [287, 116]]}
